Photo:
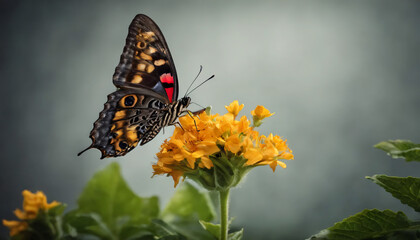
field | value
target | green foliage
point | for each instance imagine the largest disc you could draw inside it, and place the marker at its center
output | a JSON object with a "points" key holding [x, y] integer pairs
{"points": [[199, 204], [406, 189], [214, 229], [401, 149], [46, 225], [109, 210], [384, 225], [236, 235], [227, 172], [368, 224], [108, 195], [187, 206]]}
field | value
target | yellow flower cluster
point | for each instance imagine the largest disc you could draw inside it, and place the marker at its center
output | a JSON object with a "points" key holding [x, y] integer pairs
{"points": [[32, 203], [201, 137]]}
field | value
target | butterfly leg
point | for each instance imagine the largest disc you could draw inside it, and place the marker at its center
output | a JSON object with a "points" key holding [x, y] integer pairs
{"points": [[177, 123], [189, 113]]}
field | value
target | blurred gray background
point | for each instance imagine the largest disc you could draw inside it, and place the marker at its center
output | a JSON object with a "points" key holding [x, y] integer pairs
{"points": [[340, 76]]}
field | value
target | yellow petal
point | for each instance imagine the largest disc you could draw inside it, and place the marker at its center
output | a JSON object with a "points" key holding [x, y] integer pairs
{"points": [[191, 162], [9, 224], [273, 165], [20, 214], [207, 163], [261, 112], [190, 136], [176, 175], [243, 125], [234, 108], [209, 147], [233, 144], [269, 150], [253, 155], [177, 143], [178, 157], [186, 122], [52, 204], [198, 154], [15, 226], [287, 156], [281, 164]]}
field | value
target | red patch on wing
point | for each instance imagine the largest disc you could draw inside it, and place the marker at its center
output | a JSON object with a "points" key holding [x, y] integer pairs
{"points": [[167, 78]]}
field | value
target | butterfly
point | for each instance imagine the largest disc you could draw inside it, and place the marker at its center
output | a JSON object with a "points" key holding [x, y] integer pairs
{"points": [[146, 99]]}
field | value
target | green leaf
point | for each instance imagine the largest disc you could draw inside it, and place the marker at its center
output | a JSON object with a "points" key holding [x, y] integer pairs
{"points": [[172, 238], [401, 149], [406, 189], [236, 235], [110, 200], [185, 208], [212, 228], [157, 229], [189, 203], [367, 224], [76, 224], [163, 229], [132, 232], [191, 229], [57, 210]]}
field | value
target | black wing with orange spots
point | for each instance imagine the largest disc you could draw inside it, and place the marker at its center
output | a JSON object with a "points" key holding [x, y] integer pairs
{"points": [[146, 61], [147, 82], [126, 120]]}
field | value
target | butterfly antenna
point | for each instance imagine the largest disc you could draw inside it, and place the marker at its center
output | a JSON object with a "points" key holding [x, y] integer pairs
{"points": [[201, 68], [200, 84], [197, 104]]}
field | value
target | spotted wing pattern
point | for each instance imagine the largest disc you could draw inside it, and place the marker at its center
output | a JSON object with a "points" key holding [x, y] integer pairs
{"points": [[127, 119], [147, 82], [146, 61]]}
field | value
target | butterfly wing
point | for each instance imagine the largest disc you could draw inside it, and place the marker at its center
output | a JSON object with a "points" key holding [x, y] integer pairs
{"points": [[147, 82], [146, 61], [127, 119]]}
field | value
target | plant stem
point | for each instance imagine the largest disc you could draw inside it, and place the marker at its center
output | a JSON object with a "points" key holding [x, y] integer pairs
{"points": [[224, 212]]}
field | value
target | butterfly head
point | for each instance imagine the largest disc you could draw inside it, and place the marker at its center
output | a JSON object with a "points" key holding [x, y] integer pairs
{"points": [[185, 102]]}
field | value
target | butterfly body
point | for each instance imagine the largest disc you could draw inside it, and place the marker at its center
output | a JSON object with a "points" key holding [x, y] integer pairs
{"points": [[146, 99], [168, 117]]}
